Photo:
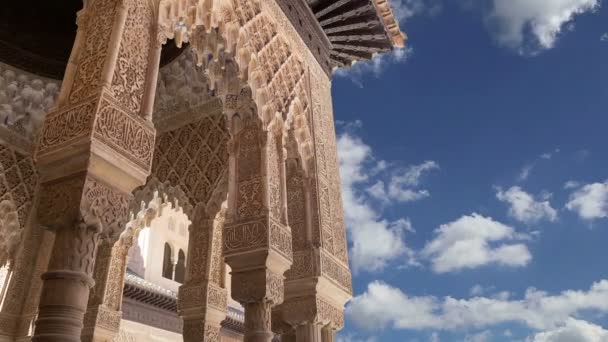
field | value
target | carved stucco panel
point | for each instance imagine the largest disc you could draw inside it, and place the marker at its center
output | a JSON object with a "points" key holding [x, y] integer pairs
{"points": [[128, 82], [98, 29]]}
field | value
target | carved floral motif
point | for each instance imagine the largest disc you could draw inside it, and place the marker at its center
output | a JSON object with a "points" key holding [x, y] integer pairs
{"points": [[128, 82], [93, 54]]}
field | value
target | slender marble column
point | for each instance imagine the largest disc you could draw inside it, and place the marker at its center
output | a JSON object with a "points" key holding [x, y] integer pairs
{"points": [[257, 322], [328, 334], [308, 332], [66, 285]]}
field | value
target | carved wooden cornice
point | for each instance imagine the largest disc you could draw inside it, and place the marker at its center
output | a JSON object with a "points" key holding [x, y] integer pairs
{"points": [[356, 29]]}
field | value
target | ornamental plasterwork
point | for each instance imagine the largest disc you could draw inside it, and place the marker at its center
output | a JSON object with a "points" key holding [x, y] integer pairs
{"points": [[24, 100], [181, 87]]}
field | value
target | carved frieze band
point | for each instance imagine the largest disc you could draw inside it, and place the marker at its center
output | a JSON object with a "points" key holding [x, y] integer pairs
{"points": [[63, 127], [245, 236], [253, 235], [336, 272], [128, 134], [131, 135], [312, 310], [258, 286]]}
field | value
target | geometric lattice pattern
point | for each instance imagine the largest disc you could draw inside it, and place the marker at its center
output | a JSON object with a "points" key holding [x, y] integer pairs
{"points": [[193, 157], [18, 179]]}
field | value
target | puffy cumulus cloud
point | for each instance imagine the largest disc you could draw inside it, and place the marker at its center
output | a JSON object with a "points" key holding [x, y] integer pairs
{"points": [[604, 37], [383, 306], [473, 241], [590, 201], [524, 207], [533, 25], [573, 330], [375, 241]]}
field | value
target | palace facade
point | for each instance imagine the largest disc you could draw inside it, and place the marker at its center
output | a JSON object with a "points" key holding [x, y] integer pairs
{"points": [[168, 168]]}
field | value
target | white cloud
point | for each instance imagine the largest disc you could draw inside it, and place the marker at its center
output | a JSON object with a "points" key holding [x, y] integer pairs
{"points": [[573, 330], [524, 207], [406, 9], [604, 37], [383, 306], [571, 185], [403, 11], [353, 338], [403, 185], [474, 241], [477, 290], [527, 169], [534, 25], [376, 66], [484, 336], [525, 172], [590, 202], [375, 241]]}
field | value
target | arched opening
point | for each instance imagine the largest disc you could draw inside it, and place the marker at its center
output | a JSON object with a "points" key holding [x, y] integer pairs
{"points": [[180, 267], [167, 263], [5, 277]]}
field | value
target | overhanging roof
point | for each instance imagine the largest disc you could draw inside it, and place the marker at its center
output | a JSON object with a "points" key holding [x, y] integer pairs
{"points": [[357, 29]]}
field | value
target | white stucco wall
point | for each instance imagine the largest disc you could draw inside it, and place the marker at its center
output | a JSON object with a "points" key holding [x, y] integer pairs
{"points": [[172, 228]]}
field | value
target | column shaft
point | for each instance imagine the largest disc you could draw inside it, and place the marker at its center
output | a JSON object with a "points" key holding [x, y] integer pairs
{"points": [[66, 291], [328, 334], [257, 322], [308, 332]]}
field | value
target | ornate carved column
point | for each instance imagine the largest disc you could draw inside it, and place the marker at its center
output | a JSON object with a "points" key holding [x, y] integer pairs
{"points": [[319, 282], [93, 150], [257, 239], [102, 319], [202, 300]]}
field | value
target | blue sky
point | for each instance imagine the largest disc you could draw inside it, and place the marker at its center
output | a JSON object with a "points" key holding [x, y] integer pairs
{"points": [[474, 177]]}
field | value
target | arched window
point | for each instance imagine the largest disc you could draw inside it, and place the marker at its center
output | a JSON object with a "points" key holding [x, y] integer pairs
{"points": [[180, 268], [167, 264], [5, 277]]}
